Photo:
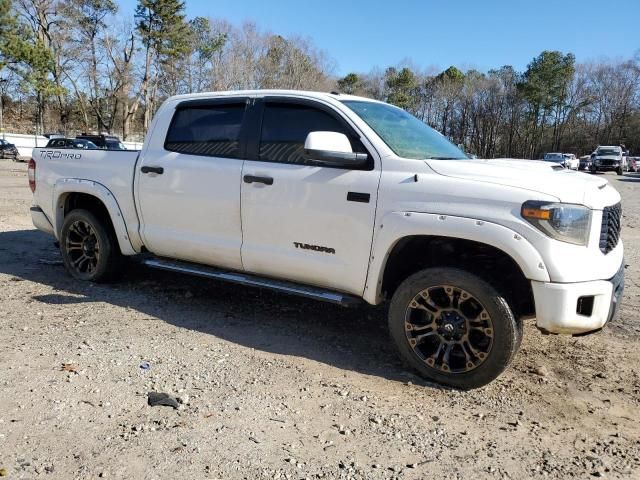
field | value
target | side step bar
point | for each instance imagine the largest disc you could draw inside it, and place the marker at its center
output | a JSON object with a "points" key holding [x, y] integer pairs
{"points": [[253, 281]]}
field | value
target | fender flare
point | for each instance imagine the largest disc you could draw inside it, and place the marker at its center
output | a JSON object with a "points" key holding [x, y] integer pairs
{"points": [[398, 225], [65, 186]]}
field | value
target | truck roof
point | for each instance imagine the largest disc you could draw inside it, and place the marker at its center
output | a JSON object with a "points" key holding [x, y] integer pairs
{"points": [[259, 93]]}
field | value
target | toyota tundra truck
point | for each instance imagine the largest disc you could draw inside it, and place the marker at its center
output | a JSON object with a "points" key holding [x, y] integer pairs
{"points": [[347, 200]]}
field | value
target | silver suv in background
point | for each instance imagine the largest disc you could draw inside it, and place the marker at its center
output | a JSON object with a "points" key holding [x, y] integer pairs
{"points": [[609, 158], [557, 158]]}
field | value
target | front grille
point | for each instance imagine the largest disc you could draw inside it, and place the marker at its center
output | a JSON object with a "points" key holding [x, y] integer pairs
{"points": [[610, 230]]}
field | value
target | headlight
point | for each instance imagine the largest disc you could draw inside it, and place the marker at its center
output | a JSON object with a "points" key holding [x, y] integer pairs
{"points": [[562, 221]]}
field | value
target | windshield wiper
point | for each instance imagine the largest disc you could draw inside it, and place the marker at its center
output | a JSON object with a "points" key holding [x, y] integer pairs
{"points": [[445, 158]]}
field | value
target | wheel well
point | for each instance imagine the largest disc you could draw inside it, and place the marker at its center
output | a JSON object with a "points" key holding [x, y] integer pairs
{"points": [[416, 253], [76, 200]]}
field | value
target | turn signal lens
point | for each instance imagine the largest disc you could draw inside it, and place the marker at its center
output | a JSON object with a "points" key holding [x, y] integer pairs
{"points": [[536, 213]]}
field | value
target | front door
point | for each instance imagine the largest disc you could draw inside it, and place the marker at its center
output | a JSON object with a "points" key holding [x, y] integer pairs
{"points": [[189, 185], [303, 221]]}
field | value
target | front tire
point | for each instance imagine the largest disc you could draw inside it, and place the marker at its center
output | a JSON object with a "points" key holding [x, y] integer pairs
{"points": [[453, 327], [89, 248], [619, 171]]}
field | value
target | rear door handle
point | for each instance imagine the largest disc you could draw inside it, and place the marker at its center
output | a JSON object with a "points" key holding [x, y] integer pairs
{"points": [[147, 169], [358, 197], [258, 179]]}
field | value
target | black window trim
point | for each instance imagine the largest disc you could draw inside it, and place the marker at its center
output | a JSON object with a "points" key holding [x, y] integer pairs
{"points": [[211, 102], [257, 116]]}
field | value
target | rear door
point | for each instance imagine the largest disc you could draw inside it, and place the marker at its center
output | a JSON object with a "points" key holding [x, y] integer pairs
{"points": [[188, 184], [301, 220]]}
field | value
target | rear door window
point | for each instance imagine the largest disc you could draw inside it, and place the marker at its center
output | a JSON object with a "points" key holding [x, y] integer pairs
{"points": [[209, 130]]}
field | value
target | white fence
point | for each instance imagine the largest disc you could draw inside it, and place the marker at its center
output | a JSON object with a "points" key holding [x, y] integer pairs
{"points": [[26, 143]]}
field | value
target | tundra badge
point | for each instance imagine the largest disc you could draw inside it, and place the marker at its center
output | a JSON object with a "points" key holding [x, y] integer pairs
{"points": [[317, 248]]}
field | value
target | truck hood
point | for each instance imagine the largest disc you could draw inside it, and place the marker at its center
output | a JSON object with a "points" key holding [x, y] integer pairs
{"points": [[608, 157], [536, 176]]}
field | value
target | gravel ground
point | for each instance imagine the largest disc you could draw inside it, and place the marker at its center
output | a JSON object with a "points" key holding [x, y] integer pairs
{"points": [[278, 387]]}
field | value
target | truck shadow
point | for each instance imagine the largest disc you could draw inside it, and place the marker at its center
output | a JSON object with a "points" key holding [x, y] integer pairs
{"points": [[352, 339]]}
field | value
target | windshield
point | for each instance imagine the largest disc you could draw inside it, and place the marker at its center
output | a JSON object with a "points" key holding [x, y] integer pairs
{"points": [[554, 157], [403, 133], [607, 151]]}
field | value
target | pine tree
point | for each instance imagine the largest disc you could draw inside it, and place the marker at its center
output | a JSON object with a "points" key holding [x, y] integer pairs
{"points": [[165, 35]]}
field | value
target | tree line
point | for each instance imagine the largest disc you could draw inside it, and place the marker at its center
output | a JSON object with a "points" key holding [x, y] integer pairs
{"points": [[81, 65], [555, 105]]}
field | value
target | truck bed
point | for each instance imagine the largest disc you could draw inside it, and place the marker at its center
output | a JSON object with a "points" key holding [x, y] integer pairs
{"points": [[113, 169]]}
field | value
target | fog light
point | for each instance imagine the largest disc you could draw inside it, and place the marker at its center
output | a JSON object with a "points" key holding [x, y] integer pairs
{"points": [[585, 306]]}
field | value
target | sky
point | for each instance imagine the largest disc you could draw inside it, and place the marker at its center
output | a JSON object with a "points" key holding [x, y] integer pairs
{"points": [[483, 34]]}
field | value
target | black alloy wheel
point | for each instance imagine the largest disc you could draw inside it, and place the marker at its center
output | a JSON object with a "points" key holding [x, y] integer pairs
{"points": [[89, 247], [453, 327]]}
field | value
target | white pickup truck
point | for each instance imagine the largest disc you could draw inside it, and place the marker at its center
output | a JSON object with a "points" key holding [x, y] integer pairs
{"points": [[345, 199]]}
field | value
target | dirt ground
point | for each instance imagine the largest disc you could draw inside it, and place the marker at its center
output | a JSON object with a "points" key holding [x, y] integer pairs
{"points": [[280, 387]]}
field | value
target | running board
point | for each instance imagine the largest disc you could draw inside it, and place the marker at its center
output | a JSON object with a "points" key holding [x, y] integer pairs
{"points": [[253, 281]]}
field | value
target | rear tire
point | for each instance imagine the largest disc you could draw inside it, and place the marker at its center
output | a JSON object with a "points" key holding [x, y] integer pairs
{"points": [[89, 248], [453, 327]]}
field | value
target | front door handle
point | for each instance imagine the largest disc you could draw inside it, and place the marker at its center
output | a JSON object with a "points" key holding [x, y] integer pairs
{"points": [[147, 169], [258, 179]]}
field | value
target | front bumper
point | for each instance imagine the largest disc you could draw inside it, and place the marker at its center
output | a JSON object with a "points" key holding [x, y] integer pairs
{"points": [[606, 168], [577, 308]]}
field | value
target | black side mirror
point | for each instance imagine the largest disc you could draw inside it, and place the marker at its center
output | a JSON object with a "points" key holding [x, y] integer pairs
{"points": [[331, 158]]}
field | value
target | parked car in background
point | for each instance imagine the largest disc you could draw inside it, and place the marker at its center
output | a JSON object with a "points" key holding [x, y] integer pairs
{"points": [[71, 143], [557, 158], [634, 163], [8, 150], [585, 163], [571, 161], [107, 142], [609, 158]]}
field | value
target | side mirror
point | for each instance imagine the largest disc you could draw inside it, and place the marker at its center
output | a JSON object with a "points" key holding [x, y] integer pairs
{"points": [[333, 149]]}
